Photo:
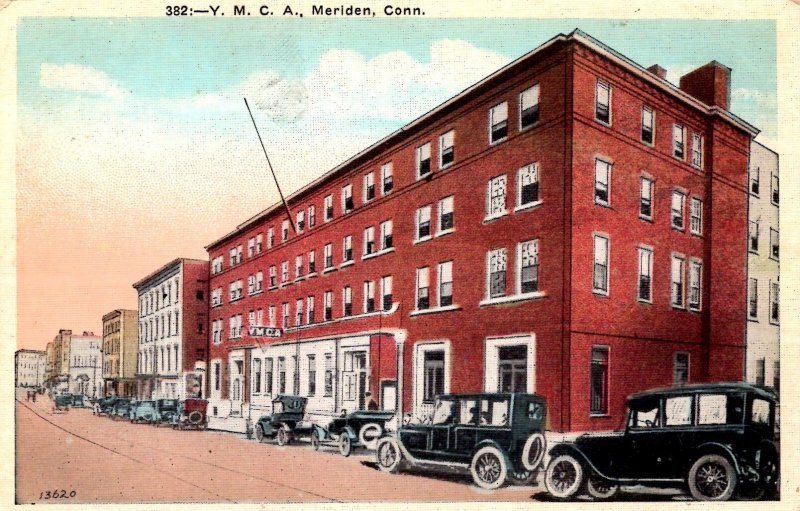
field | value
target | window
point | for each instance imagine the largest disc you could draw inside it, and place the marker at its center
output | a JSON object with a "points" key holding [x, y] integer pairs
{"points": [[312, 262], [216, 267], [446, 284], [602, 180], [386, 292], [369, 296], [387, 178], [645, 292], [752, 298], [776, 375], [270, 238], [328, 205], [272, 315], [328, 374], [513, 368], [259, 243], [528, 267], [216, 297], [678, 411], [251, 247], [775, 193], [347, 199], [697, 150], [498, 122], [298, 312], [646, 198], [423, 160], [695, 285], [301, 221], [281, 375], [678, 201], [369, 187], [423, 298], [761, 368], [369, 240], [347, 301], [312, 216], [496, 266], [447, 151], [259, 281], [386, 235], [328, 299], [347, 249], [678, 141], [285, 230], [528, 185], [273, 276], [773, 243], [602, 102], [600, 272], [754, 184], [285, 315], [256, 376], [680, 368], [328, 253], [424, 223], [433, 384], [529, 107], [774, 312], [298, 266], [753, 235], [310, 309], [284, 272], [496, 197], [217, 375], [677, 281], [312, 375], [445, 216], [599, 381], [648, 118], [268, 376], [696, 216]]}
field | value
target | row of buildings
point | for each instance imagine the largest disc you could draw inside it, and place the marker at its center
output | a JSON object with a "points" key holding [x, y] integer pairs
{"points": [[70, 363], [573, 225]]}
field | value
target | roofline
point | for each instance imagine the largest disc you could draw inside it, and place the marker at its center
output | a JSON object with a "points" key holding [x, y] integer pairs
{"points": [[763, 146], [117, 311], [179, 260], [26, 350], [576, 35]]}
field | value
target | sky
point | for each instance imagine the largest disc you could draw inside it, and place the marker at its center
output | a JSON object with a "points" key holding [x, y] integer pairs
{"points": [[134, 146]]}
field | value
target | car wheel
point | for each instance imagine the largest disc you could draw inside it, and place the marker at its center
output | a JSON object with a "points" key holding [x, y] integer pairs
{"points": [[195, 418], [369, 434], [601, 488], [345, 445], [489, 468], [315, 441], [533, 451], [770, 474], [282, 437], [260, 433], [564, 476], [388, 455], [712, 477]]}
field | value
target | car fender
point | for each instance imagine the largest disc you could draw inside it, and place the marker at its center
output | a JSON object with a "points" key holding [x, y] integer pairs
{"points": [[349, 431], [721, 449], [574, 450], [485, 443]]}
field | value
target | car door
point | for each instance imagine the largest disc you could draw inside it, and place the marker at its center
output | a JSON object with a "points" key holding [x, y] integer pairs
{"points": [[654, 451], [466, 431]]}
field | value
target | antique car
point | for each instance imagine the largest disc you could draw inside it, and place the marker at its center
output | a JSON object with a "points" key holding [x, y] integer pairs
{"points": [[81, 401], [165, 411], [104, 405], [497, 437], [282, 424], [142, 411], [120, 409], [716, 439], [62, 402], [191, 414], [361, 428]]}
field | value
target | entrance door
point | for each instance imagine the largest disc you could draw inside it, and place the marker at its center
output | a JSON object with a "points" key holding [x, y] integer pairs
{"points": [[513, 368], [360, 368]]}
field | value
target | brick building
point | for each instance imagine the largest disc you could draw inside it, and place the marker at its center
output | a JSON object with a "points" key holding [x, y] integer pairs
{"points": [[572, 225], [173, 313], [120, 352]]}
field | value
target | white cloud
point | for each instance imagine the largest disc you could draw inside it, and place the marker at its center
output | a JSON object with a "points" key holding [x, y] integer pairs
{"points": [[79, 79]]}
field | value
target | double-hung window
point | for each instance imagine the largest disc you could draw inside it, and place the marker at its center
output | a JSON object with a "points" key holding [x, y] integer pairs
{"points": [[445, 216], [599, 381], [285, 310], [697, 150], [259, 281], [387, 178], [423, 288], [270, 238], [529, 107], [600, 271], [774, 312], [648, 124], [312, 262], [285, 272], [695, 285], [775, 192], [369, 186], [312, 374], [680, 368], [298, 312], [369, 240], [678, 141], [328, 374], [445, 284], [696, 216], [386, 292], [423, 160], [251, 247], [447, 150], [273, 276], [328, 253], [753, 235], [271, 313], [496, 273], [496, 197], [754, 180], [678, 202], [528, 185], [645, 291], [347, 249], [498, 122], [347, 301], [602, 182], [369, 296], [602, 102], [752, 298], [774, 251], [677, 281], [298, 267], [285, 230], [301, 221], [646, 198], [347, 199], [386, 235], [312, 216], [528, 267], [328, 303], [424, 223], [327, 205], [310, 309], [259, 243]]}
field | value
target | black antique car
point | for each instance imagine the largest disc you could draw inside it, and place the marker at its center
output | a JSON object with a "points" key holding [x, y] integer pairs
{"points": [[496, 437], [142, 411], [282, 424], [361, 428], [165, 411], [105, 405], [120, 409], [715, 439]]}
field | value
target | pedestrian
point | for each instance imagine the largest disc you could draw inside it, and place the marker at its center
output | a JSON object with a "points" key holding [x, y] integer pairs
{"points": [[33, 394], [371, 403]]}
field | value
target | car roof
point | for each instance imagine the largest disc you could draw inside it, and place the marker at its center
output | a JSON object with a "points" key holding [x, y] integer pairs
{"points": [[698, 388], [481, 395]]}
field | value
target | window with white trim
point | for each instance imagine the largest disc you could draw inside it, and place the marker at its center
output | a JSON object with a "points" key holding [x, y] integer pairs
{"points": [[272, 315], [387, 178], [528, 267], [528, 185], [301, 221], [445, 215], [369, 186], [260, 317], [496, 273], [298, 266], [496, 197], [695, 285], [423, 160], [774, 252], [498, 122], [347, 199], [775, 192], [599, 381], [386, 235], [327, 204], [678, 141], [347, 301], [646, 198], [216, 297], [645, 290], [259, 243], [600, 271], [529, 107], [328, 253], [774, 312], [310, 309], [259, 281], [285, 272], [312, 216], [678, 202], [369, 240], [270, 238], [423, 289], [285, 315], [424, 223], [696, 216], [753, 236], [216, 267], [284, 230], [251, 246], [602, 102], [386, 292], [273, 276], [680, 368], [445, 294], [347, 249], [369, 296], [697, 150], [676, 274], [312, 262], [754, 180], [328, 303], [298, 312], [602, 182], [752, 298], [447, 150], [648, 125]]}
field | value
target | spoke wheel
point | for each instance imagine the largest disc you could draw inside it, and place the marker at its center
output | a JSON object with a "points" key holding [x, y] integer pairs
{"points": [[489, 468], [282, 437], [345, 444], [315, 441], [259, 433], [601, 488], [564, 476], [712, 477], [388, 455]]}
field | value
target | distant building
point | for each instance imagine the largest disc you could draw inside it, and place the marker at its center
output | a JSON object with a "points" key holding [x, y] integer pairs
{"points": [[29, 368], [173, 312], [85, 370], [120, 352], [58, 361], [762, 364]]}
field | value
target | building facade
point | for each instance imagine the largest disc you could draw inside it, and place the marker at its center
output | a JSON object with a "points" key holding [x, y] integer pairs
{"points": [[29, 368], [120, 352], [57, 370], [85, 371], [172, 342], [572, 225], [763, 264]]}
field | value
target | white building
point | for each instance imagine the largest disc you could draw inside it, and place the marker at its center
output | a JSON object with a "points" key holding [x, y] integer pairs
{"points": [[762, 364], [29, 368], [85, 365]]}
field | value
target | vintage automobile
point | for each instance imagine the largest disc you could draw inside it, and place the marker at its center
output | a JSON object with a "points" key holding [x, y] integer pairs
{"points": [[714, 439], [105, 405], [120, 409], [191, 414], [361, 428], [282, 424], [165, 411], [497, 437], [62, 402], [142, 411]]}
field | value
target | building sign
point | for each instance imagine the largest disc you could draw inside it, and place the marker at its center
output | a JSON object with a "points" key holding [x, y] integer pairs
{"points": [[264, 331]]}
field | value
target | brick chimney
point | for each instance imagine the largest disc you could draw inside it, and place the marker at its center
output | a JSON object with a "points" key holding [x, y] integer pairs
{"points": [[658, 71], [710, 83]]}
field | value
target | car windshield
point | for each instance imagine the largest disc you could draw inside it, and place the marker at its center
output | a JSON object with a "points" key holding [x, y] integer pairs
{"points": [[443, 413], [644, 414]]}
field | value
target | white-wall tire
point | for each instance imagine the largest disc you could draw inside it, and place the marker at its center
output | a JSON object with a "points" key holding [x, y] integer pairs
{"points": [[388, 455], [538, 444], [489, 468], [369, 435], [563, 477]]}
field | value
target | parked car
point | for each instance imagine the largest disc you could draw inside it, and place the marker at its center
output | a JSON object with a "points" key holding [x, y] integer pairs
{"points": [[165, 411], [142, 411], [120, 409], [287, 413], [81, 401], [714, 439], [494, 436], [361, 428], [62, 402], [191, 414], [105, 405]]}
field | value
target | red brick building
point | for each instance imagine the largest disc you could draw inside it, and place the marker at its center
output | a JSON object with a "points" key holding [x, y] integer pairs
{"points": [[572, 225]]}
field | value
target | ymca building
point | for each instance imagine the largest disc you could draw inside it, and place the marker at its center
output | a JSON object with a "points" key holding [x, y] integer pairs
{"points": [[573, 225]]}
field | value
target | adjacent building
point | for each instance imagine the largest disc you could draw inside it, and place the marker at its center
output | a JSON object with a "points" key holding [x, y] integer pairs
{"points": [[84, 364], [29, 368], [57, 377], [172, 341], [571, 225], [762, 364], [120, 352]]}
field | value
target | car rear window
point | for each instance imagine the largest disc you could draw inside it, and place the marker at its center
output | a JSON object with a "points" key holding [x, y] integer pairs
{"points": [[678, 411], [760, 412], [469, 411]]}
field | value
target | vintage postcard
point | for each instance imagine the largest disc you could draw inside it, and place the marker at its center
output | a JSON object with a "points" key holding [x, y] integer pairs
{"points": [[301, 253]]}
